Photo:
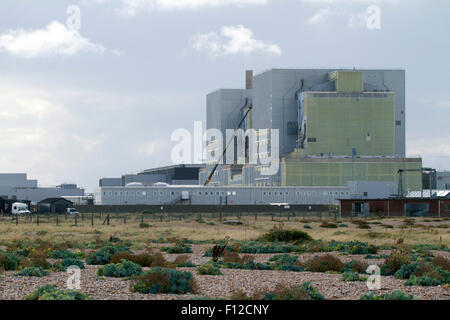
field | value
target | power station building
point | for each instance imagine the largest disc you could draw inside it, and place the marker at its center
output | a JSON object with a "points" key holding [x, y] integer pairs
{"points": [[341, 135], [334, 126]]}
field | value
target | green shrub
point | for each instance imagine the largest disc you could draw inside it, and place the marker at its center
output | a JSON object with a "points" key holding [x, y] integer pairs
{"points": [[394, 262], [440, 261], [208, 269], [329, 225], [122, 269], [144, 225], [351, 247], [435, 277], [63, 254], [325, 263], [280, 235], [356, 266], [33, 272], [9, 261], [272, 248], [284, 259], [143, 259], [305, 292], [160, 280], [395, 295], [183, 261], [71, 262], [177, 249], [103, 255], [306, 226], [352, 276], [343, 225], [50, 292], [407, 270]]}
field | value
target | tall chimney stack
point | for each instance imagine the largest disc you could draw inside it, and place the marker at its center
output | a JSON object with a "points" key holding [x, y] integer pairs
{"points": [[249, 79]]}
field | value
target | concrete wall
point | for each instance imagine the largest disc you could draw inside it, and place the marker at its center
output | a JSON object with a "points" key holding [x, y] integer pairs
{"points": [[338, 171], [338, 123]]}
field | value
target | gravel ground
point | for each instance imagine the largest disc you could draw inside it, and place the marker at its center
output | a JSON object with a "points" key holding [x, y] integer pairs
{"points": [[222, 286]]}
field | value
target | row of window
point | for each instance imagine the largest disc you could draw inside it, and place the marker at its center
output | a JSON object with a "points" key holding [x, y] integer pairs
{"points": [[228, 193]]}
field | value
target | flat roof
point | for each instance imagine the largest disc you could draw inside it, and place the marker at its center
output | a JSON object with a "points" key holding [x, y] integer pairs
{"points": [[181, 166]]}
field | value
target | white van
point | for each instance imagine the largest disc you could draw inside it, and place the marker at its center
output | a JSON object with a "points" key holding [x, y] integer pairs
{"points": [[19, 208]]}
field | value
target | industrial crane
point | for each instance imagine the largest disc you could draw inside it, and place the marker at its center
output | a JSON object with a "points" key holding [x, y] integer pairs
{"points": [[249, 108]]}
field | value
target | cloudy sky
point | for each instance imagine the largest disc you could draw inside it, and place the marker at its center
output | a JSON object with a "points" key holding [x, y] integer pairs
{"points": [[99, 96]]}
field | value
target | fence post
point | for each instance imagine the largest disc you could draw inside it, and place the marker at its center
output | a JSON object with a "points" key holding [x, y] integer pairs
{"points": [[272, 216], [107, 220], [92, 219], [142, 219], [124, 220], [57, 220], [37, 219], [76, 220], [289, 214], [17, 220]]}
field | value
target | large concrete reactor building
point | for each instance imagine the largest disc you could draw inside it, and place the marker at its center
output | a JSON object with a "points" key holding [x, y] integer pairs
{"points": [[335, 126]]}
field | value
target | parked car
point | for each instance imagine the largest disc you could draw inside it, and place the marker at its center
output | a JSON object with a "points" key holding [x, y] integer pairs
{"points": [[72, 211], [19, 208]]}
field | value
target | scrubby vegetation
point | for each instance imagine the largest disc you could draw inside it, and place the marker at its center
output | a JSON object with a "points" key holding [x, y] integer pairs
{"points": [[304, 292], [177, 249], [103, 255], [33, 272], [161, 280], [209, 268], [278, 234], [352, 276], [9, 261], [145, 259], [122, 269], [50, 292], [395, 295], [325, 263]]}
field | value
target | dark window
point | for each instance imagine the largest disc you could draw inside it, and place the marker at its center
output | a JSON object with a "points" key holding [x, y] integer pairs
{"points": [[365, 194], [398, 122], [312, 139], [292, 128]]}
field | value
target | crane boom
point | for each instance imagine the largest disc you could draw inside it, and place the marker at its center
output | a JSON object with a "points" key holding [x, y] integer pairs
{"points": [[249, 108]]}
